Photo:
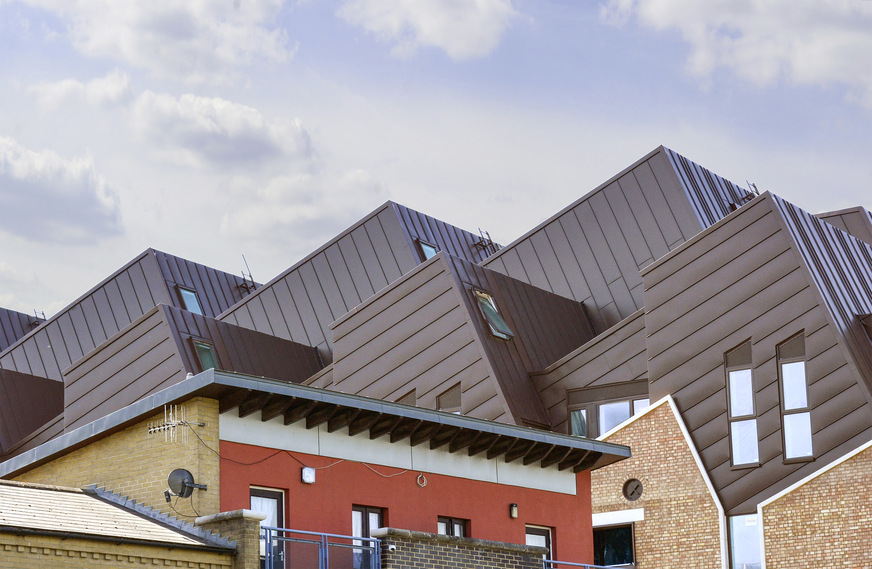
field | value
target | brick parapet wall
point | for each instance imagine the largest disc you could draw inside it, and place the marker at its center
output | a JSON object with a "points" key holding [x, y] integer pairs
{"points": [[825, 522], [404, 549], [241, 526], [136, 464], [680, 514], [55, 552]]}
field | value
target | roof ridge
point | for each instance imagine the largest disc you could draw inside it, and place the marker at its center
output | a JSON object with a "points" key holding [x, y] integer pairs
{"points": [[160, 517]]}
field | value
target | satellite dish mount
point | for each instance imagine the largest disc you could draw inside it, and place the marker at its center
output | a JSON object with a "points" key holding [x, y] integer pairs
{"points": [[181, 483]]}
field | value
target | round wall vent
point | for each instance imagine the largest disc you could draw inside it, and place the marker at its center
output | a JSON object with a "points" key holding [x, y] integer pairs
{"points": [[632, 489]]}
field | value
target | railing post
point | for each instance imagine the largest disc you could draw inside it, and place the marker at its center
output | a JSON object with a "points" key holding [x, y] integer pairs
{"points": [[324, 554], [268, 552]]}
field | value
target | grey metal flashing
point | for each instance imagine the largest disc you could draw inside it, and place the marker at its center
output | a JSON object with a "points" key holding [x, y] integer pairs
{"points": [[212, 383], [190, 530]]}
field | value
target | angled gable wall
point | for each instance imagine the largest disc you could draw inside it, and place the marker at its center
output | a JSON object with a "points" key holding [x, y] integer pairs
{"points": [[26, 404], [417, 335], [744, 279], [856, 221], [592, 251], [148, 280]]}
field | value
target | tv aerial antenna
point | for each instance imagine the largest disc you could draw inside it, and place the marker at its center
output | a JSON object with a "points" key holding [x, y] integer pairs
{"points": [[174, 416]]}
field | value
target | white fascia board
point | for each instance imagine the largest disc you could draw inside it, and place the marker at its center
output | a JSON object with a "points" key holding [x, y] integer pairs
{"points": [[618, 517]]}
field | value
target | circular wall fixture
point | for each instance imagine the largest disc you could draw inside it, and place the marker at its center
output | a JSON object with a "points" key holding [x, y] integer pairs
{"points": [[632, 489]]}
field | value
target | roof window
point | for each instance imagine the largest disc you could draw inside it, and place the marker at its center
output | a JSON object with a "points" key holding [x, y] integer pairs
{"points": [[488, 307], [190, 300]]}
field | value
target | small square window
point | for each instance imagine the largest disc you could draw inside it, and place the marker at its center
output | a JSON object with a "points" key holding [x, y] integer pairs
{"points": [[190, 301], [450, 400], [743, 437], [488, 307], [206, 355], [451, 526], [613, 414], [613, 545]]}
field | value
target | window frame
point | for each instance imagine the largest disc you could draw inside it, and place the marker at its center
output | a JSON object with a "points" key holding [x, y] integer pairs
{"points": [[613, 527], [450, 524], [272, 494], [589, 399], [542, 531], [423, 246], [185, 306], [782, 359], [498, 326], [740, 358]]}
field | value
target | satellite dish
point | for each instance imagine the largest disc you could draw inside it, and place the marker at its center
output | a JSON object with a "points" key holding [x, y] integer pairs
{"points": [[181, 482]]}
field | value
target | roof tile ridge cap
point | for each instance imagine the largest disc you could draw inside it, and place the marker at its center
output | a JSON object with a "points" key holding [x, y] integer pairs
{"points": [[158, 516]]}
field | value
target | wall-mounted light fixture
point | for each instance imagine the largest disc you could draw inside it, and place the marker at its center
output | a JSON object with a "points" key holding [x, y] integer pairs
{"points": [[513, 511], [308, 475]]}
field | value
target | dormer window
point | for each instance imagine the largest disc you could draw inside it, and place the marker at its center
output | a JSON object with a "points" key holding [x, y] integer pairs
{"points": [[449, 400], [206, 355], [795, 412], [427, 249], [190, 300], [488, 307], [744, 447]]}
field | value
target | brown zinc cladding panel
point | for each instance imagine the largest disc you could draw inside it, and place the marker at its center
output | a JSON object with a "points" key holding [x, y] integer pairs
{"points": [[416, 335], [744, 279], [26, 404], [445, 237], [140, 360], [15, 325], [302, 302], [615, 356], [157, 351], [123, 297], [592, 251]]}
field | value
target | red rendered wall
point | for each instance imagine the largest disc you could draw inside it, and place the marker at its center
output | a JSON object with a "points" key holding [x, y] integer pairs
{"points": [[326, 505]]}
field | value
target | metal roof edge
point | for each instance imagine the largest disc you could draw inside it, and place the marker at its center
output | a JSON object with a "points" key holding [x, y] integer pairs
{"points": [[306, 259], [574, 204]]}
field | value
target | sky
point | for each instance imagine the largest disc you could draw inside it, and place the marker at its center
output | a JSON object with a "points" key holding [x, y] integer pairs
{"points": [[213, 129]]}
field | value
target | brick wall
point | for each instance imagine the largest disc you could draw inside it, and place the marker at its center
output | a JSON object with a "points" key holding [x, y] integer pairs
{"points": [[403, 549], [826, 522], [680, 514], [49, 552], [241, 526], [136, 464]]}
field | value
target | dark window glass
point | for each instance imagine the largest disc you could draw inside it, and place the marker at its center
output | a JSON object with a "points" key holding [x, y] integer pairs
{"points": [[613, 545], [190, 301], [206, 355], [449, 400]]}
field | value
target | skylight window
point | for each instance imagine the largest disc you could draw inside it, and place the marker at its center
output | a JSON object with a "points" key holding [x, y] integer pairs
{"points": [[488, 307], [427, 250], [206, 355], [190, 300]]}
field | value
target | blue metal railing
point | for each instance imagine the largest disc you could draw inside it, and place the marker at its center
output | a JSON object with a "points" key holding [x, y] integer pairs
{"points": [[552, 564], [284, 548]]}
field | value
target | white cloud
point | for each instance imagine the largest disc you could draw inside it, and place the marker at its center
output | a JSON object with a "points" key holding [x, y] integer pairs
{"points": [[814, 43], [304, 209], [462, 28], [209, 130], [105, 91], [195, 40], [47, 198]]}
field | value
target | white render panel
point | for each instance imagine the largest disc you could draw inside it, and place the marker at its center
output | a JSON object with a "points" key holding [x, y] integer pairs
{"points": [[275, 434], [618, 517]]}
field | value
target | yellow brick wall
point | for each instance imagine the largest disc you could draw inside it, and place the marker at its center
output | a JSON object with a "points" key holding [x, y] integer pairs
{"points": [[136, 464], [826, 522], [681, 526], [46, 552]]}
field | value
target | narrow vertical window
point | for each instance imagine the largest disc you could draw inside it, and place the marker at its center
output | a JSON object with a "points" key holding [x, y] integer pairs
{"points": [[578, 422], [744, 447], [795, 413], [271, 503], [190, 300], [744, 542], [541, 537], [364, 519]]}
